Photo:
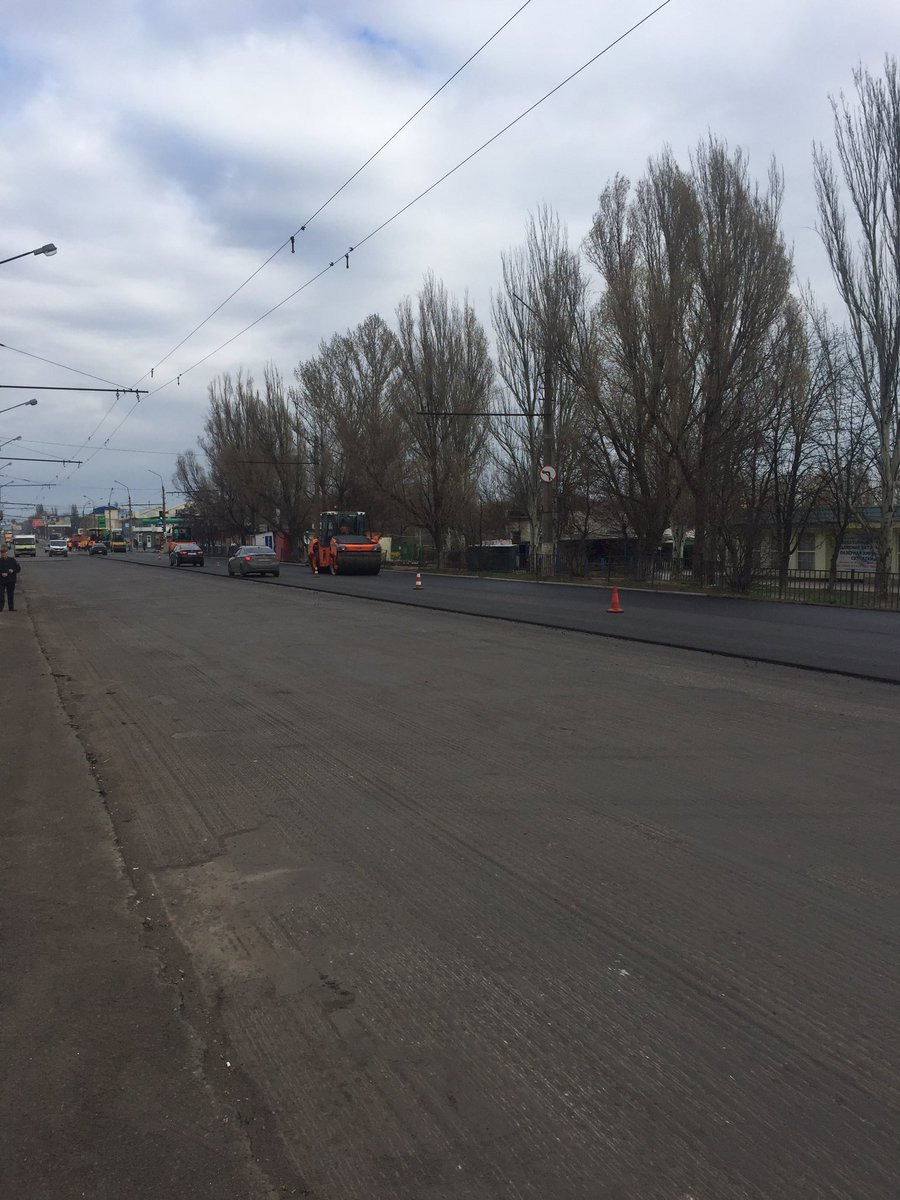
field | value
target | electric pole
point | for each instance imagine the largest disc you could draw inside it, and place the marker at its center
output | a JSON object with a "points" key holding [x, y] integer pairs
{"points": [[162, 514]]}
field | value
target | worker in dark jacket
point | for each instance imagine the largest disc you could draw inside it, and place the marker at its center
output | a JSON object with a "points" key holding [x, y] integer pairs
{"points": [[9, 569]]}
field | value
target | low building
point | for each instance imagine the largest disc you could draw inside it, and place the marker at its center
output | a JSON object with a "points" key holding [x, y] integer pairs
{"points": [[857, 551]]}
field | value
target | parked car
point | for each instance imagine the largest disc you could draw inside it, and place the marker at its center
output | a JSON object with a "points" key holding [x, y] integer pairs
{"points": [[99, 548], [185, 553], [253, 560], [57, 547]]}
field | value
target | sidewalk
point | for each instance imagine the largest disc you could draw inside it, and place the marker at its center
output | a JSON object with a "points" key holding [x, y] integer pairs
{"points": [[104, 1094]]}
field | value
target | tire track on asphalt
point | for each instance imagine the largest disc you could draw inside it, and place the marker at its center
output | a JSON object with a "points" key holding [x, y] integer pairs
{"points": [[452, 918], [787, 1027]]}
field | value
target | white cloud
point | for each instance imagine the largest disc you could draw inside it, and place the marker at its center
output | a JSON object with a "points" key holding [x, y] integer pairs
{"points": [[169, 148]]}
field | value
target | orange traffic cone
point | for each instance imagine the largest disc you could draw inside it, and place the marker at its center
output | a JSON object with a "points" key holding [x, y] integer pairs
{"points": [[419, 583], [615, 607]]}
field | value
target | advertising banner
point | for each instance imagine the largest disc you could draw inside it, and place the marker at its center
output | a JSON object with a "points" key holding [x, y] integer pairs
{"points": [[856, 553]]}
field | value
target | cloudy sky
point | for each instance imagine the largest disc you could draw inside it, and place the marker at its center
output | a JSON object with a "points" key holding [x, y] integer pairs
{"points": [[170, 147]]}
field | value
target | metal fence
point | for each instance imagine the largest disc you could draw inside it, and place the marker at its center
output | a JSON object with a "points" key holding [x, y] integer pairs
{"points": [[857, 589]]}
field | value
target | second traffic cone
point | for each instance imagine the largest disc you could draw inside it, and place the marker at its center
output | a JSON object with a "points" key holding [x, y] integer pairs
{"points": [[419, 583], [615, 606]]}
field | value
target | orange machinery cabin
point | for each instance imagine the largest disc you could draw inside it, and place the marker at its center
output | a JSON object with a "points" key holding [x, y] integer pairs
{"points": [[343, 546]]}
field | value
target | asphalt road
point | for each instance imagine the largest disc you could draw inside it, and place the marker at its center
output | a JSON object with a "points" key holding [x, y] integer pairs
{"points": [[486, 910], [864, 644]]}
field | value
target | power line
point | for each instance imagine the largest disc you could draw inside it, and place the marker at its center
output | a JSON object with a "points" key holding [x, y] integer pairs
{"points": [[49, 387], [14, 458], [309, 220], [345, 255], [63, 367], [32, 442]]}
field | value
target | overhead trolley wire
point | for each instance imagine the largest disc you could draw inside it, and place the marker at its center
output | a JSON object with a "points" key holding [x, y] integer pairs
{"points": [[289, 241], [32, 442], [303, 227], [63, 367], [345, 255]]}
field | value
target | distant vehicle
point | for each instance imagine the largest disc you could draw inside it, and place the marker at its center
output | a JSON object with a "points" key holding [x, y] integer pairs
{"points": [[253, 560], [24, 545], [181, 535], [117, 543], [343, 546], [99, 548], [58, 547], [184, 554]]}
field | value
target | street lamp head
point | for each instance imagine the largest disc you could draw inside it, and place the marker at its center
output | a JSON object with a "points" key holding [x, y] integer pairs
{"points": [[49, 250], [21, 404], [31, 401]]}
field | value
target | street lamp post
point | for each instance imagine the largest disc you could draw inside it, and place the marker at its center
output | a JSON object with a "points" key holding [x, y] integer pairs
{"points": [[130, 511], [3, 468], [8, 441], [162, 484], [49, 250], [23, 404]]}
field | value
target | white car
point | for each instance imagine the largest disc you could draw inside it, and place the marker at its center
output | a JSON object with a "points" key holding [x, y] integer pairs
{"points": [[58, 546]]}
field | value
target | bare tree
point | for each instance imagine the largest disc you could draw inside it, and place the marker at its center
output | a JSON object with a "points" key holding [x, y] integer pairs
{"points": [[796, 390], [318, 400], [867, 139], [446, 377], [195, 482], [256, 455], [743, 272], [533, 319], [346, 395], [846, 447], [632, 357]]}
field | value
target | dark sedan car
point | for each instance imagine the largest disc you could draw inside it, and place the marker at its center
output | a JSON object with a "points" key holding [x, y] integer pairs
{"points": [[253, 560], [99, 548], [183, 554]]}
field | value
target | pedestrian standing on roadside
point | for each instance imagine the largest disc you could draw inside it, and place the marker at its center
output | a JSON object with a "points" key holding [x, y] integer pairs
{"points": [[9, 569]]}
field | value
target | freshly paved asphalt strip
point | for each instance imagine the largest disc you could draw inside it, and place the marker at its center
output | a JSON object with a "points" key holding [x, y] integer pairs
{"points": [[496, 912], [860, 643]]}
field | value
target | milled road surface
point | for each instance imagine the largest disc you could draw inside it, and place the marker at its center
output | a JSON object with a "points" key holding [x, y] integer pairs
{"points": [[852, 641], [493, 911]]}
